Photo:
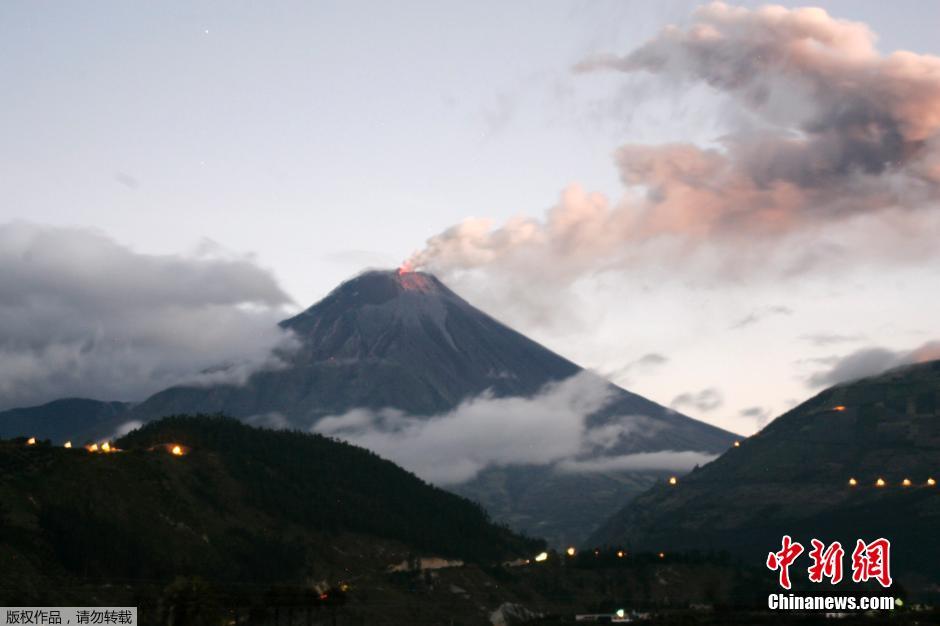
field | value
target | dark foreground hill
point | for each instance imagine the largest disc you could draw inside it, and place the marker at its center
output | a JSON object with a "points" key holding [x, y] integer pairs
{"points": [[795, 477], [407, 342], [241, 505], [248, 526]]}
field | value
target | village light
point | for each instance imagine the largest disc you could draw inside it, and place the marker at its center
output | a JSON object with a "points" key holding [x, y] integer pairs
{"points": [[852, 482], [673, 481], [620, 554], [542, 556], [931, 482], [570, 551], [880, 482], [737, 444], [906, 482], [839, 408], [31, 441], [68, 444], [92, 447], [176, 450], [621, 613], [106, 447], [662, 555]]}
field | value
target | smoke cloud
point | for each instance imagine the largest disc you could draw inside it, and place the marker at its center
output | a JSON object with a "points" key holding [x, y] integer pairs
{"points": [[871, 362], [546, 429], [835, 149], [81, 315]]}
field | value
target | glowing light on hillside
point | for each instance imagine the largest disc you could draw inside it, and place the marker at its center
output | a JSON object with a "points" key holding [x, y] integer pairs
{"points": [[737, 444], [68, 444], [662, 555], [31, 441], [620, 554], [839, 408], [880, 482], [906, 482], [852, 482], [931, 482], [673, 481], [570, 551], [106, 447], [621, 613], [542, 556], [92, 447], [176, 450]]}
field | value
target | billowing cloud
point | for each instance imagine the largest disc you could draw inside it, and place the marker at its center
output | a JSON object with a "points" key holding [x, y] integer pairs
{"points": [[828, 339], [870, 362], [645, 364], [834, 154], [81, 315], [705, 400], [761, 415], [663, 460], [544, 429], [761, 314]]}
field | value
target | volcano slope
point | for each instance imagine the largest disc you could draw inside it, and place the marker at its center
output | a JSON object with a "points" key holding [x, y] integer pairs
{"points": [[386, 340], [794, 478]]}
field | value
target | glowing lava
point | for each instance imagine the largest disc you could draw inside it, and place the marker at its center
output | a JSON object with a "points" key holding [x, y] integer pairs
{"points": [[176, 450]]}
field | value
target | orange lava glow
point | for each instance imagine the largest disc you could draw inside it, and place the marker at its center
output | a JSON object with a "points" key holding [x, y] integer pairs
{"points": [[405, 268], [838, 408]]}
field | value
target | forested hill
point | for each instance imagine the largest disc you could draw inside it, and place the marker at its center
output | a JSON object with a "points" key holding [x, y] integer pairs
{"points": [[239, 504]]}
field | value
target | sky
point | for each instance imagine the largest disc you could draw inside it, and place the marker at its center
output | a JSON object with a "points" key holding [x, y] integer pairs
{"points": [[724, 216]]}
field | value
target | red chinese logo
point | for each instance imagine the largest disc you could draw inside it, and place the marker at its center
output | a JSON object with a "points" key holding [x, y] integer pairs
{"points": [[783, 559], [827, 562], [869, 561], [872, 560]]}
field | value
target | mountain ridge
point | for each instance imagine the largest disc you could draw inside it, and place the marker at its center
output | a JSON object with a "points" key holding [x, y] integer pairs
{"points": [[793, 477], [404, 340]]}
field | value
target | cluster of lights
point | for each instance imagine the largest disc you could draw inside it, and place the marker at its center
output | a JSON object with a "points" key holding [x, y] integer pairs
{"points": [[881, 482]]}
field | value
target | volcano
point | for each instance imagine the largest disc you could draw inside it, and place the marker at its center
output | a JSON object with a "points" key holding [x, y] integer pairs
{"points": [[403, 340]]}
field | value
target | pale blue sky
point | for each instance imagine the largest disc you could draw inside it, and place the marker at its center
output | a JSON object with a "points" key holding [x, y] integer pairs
{"points": [[325, 136]]}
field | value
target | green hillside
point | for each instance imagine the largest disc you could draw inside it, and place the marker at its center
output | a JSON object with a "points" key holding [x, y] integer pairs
{"points": [[242, 505], [794, 477]]}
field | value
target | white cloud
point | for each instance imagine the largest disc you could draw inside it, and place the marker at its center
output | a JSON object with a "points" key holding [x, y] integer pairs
{"points": [[544, 429], [663, 460], [81, 315], [870, 362]]}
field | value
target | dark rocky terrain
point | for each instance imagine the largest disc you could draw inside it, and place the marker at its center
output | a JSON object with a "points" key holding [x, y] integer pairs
{"points": [[794, 478], [404, 340]]}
